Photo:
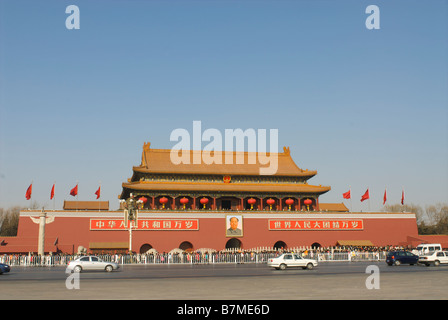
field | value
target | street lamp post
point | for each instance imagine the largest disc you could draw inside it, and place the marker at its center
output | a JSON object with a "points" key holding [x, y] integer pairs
{"points": [[130, 215]]}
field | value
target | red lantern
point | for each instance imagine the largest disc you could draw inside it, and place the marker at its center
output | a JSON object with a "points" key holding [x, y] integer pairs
{"points": [[251, 201], [270, 202], [163, 201], [184, 201], [307, 202], [143, 199], [204, 201], [289, 202]]}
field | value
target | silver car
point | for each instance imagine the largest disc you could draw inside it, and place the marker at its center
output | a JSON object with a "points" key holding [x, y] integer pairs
{"points": [[91, 263], [288, 260]]}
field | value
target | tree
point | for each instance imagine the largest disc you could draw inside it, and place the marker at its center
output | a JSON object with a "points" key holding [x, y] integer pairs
{"points": [[438, 218], [9, 219], [432, 220], [419, 213]]}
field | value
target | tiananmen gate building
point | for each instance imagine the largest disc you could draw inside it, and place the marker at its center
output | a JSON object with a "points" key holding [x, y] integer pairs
{"points": [[224, 204]]}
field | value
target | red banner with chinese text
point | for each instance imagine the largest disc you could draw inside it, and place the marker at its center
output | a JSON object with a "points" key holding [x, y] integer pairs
{"points": [[315, 224], [145, 224]]}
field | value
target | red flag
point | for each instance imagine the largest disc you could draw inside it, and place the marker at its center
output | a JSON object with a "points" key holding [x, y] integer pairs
{"points": [[402, 197], [52, 192], [98, 193], [346, 195], [365, 196], [28, 192], [74, 191], [385, 196]]}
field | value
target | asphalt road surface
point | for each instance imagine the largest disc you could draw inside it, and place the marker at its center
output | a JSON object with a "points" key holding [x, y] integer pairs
{"points": [[329, 281]]}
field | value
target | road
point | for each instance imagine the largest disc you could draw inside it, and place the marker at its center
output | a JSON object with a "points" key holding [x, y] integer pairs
{"points": [[334, 281]]}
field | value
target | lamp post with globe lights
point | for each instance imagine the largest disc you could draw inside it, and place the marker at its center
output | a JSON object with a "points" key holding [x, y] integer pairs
{"points": [[130, 206]]}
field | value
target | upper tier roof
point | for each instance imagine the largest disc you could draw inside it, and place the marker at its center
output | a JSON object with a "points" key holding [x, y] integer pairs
{"points": [[159, 161]]}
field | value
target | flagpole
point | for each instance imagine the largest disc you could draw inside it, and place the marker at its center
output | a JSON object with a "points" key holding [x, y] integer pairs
{"points": [[99, 200], [31, 194], [54, 200], [350, 189], [30, 190], [77, 191], [369, 197], [402, 198]]}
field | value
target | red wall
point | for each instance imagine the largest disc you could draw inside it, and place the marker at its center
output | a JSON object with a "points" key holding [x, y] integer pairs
{"points": [[72, 229]]}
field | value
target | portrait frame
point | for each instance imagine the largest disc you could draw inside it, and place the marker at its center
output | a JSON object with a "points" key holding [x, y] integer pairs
{"points": [[234, 233]]}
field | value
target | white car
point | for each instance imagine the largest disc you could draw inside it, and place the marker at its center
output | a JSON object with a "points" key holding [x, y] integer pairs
{"points": [[91, 263], [288, 260], [435, 258]]}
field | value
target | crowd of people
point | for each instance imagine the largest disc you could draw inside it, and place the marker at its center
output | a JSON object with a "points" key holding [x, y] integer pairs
{"points": [[234, 255]]}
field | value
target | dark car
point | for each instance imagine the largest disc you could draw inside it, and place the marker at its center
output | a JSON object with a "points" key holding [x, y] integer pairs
{"points": [[4, 268], [401, 257]]}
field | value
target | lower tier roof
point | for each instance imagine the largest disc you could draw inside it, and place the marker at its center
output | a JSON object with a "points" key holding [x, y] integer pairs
{"points": [[225, 187]]}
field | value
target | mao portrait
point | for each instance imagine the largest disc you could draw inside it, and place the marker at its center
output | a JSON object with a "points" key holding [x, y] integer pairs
{"points": [[234, 226]]}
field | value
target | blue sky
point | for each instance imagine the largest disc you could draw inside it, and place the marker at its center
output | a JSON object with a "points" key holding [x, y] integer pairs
{"points": [[365, 108]]}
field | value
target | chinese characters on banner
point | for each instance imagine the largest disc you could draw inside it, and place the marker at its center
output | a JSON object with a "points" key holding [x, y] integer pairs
{"points": [[193, 224], [145, 224], [315, 224]]}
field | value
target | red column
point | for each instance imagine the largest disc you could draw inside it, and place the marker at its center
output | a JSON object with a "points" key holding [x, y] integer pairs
{"points": [[280, 199], [194, 203], [173, 203], [214, 203], [242, 204], [153, 205]]}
